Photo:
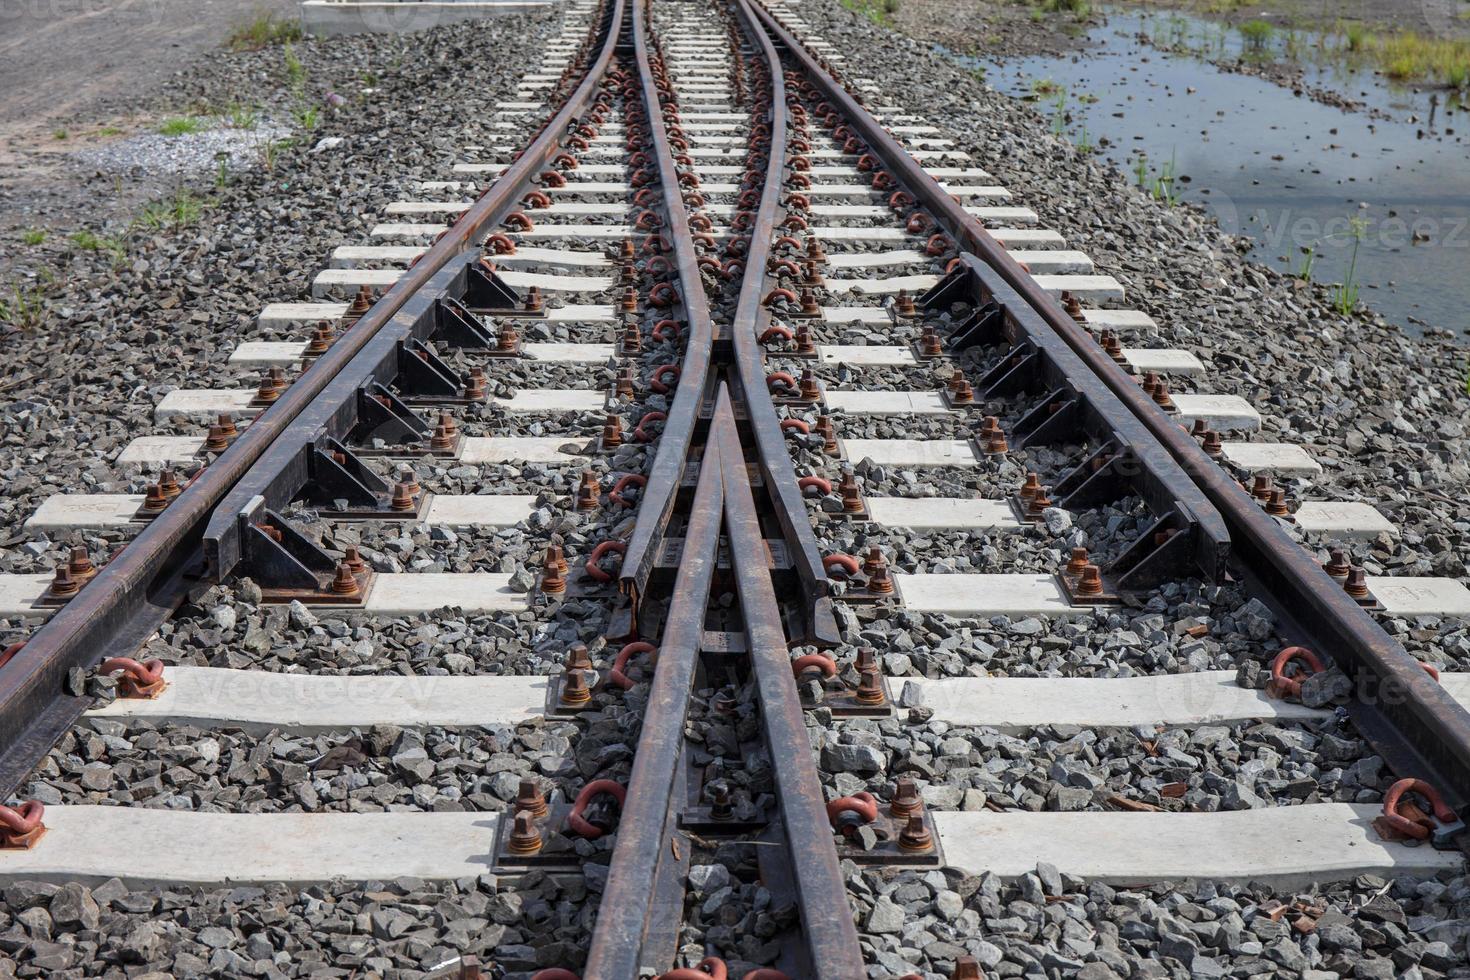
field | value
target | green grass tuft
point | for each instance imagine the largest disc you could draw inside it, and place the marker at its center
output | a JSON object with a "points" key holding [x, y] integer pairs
{"points": [[262, 32], [33, 236], [183, 125]]}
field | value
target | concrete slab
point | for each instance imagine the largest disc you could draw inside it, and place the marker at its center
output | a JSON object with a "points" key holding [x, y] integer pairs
{"points": [[69, 511], [887, 402], [1224, 413], [1053, 261], [416, 592], [1163, 361], [882, 287], [282, 316], [1018, 704], [569, 353], [536, 400], [206, 404], [519, 449], [479, 510], [1119, 319], [1344, 519], [1088, 289], [856, 314], [260, 700], [910, 452], [18, 595], [861, 356], [1286, 846], [406, 229], [1284, 458], [1420, 596], [267, 353], [160, 450], [581, 313], [1013, 215], [958, 513], [82, 845], [982, 595]]}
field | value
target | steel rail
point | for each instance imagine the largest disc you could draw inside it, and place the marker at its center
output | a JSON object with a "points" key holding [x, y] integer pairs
{"points": [[133, 594], [626, 910], [749, 319], [1419, 727], [829, 934], [667, 472]]}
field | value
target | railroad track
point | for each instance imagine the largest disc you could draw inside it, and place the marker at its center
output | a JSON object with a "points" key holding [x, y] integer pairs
{"points": [[637, 400]]}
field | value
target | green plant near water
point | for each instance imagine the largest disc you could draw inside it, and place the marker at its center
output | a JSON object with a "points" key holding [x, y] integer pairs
{"points": [[1084, 145], [1345, 296], [182, 125], [261, 32], [1045, 86], [1059, 113], [1140, 169], [33, 236], [1355, 36], [1256, 35], [24, 308], [1309, 258]]}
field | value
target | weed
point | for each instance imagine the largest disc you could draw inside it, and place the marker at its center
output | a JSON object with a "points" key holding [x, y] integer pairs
{"points": [[295, 71], [1140, 169], [261, 32], [59, 134], [1045, 86], [1059, 113], [307, 117], [222, 169], [89, 241], [183, 126], [25, 309], [1256, 34], [180, 211], [1163, 185], [242, 116], [370, 79], [1345, 296], [33, 236], [110, 131], [1309, 256], [270, 151], [1079, 8], [1084, 145], [877, 11], [1357, 36]]}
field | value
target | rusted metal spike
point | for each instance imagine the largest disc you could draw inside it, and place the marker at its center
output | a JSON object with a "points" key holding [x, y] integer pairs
{"points": [[1031, 487], [168, 483], [612, 432], [906, 800], [352, 559], [1078, 562], [828, 433], [475, 384], [533, 300], [63, 585], [344, 582], [1091, 581], [803, 337], [1214, 446], [903, 304], [574, 687], [525, 838], [1337, 565], [529, 799], [154, 500], [870, 685], [807, 386], [587, 491], [80, 565], [915, 836], [1356, 584], [402, 498]]}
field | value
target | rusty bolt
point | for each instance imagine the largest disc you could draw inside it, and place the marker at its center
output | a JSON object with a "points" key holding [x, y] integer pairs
{"points": [[154, 501], [1037, 504], [1091, 581], [226, 425], [960, 391], [475, 385], [915, 836], [876, 567], [852, 500], [344, 583], [1337, 565], [906, 800], [533, 300], [321, 340], [1356, 584], [574, 689], [587, 492], [402, 498], [1078, 563], [442, 439], [625, 386], [866, 657], [1161, 395], [1199, 428], [630, 300], [612, 432], [721, 802], [268, 390], [828, 433], [1073, 307], [995, 443], [506, 340], [80, 565], [524, 837], [1277, 506], [529, 799], [553, 577], [216, 442], [1261, 487], [814, 249], [929, 342], [353, 560], [629, 271], [1213, 445], [903, 304], [1150, 383], [809, 304], [632, 339], [63, 586], [168, 483], [1031, 487], [627, 251], [361, 303], [807, 386], [804, 343], [870, 685]]}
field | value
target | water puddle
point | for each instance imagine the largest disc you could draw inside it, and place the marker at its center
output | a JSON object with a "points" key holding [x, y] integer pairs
{"points": [[1377, 198]]}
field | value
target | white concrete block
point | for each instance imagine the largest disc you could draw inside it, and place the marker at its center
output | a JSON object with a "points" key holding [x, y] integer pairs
{"points": [[856, 314], [351, 256], [875, 260], [553, 400], [1284, 458], [1346, 519], [981, 595], [910, 452], [959, 513], [882, 287], [1287, 846], [886, 402], [861, 356], [348, 280], [18, 595], [551, 232], [69, 511], [1020, 216], [1052, 261], [1119, 319], [267, 353], [1017, 704], [581, 313], [479, 510], [89, 844], [1088, 289], [1163, 361], [415, 592], [406, 229], [282, 316], [161, 450], [518, 449], [260, 700], [1420, 596], [569, 353], [1223, 413], [205, 403]]}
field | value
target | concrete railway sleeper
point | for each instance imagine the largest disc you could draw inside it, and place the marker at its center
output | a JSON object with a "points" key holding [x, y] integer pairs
{"points": [[635, 402]]}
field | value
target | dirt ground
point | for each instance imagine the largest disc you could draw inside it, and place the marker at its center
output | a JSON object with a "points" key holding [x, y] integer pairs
{"points": [[72, 73]]}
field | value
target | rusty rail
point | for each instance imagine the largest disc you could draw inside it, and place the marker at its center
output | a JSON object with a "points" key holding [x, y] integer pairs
{"points": [[133, 594], [1411, 720]]}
